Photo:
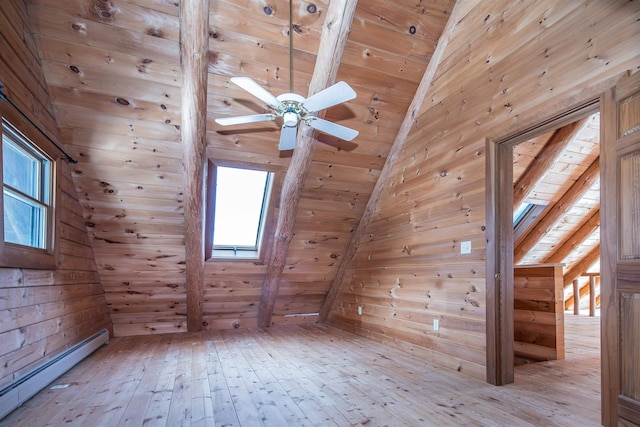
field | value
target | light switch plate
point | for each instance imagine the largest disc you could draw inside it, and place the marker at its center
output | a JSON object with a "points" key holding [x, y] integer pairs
{"points": [[465, 247]]}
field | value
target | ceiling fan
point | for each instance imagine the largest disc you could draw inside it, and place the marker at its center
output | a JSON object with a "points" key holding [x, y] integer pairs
{"points": [[293, 108]]}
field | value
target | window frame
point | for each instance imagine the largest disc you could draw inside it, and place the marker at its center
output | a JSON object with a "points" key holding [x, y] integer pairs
{"points": [[265, 238], [20, 256]]}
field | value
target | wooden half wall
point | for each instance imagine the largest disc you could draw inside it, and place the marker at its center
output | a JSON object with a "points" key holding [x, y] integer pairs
{"points": [[43, 312], [509, 66], [538, 311]]}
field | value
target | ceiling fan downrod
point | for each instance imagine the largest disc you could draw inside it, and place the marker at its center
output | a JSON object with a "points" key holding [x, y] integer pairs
{"points": [[293, 108]]}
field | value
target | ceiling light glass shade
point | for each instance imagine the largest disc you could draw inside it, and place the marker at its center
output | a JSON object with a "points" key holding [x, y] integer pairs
{"points": [[290, 119]]}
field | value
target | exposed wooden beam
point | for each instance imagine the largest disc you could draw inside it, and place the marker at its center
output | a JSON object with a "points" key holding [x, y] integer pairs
{"points": [[582, 265], [333, 39], [544, 160], [555, 211], [194, 37], [395, 150], [575, 239]]}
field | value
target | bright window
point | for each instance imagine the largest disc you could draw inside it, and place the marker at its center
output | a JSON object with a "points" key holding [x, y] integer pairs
{"points": [[26, 176], [525, 217], [520, 212], [29, 188], [237, 210]]}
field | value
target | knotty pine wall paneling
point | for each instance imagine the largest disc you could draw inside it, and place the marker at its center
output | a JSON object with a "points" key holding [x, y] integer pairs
{"points": [[123, 126], [42, 312], [510, 65]]}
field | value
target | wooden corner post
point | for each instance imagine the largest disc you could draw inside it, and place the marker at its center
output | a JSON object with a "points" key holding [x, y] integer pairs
{"points": [[194, 37]]}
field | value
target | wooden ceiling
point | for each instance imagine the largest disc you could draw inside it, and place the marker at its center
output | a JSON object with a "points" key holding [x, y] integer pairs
{"points": [[580, 150], [113, 72], [560, 170]]}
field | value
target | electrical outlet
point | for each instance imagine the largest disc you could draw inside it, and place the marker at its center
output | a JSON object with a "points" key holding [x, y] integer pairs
{"points": [[359, 311], [465, 247], [436, 324]]}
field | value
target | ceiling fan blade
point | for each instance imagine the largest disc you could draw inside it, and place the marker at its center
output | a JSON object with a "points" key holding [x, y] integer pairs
{"points": [[239, 120], [288, 138], [331, 128], [256, 90], [336, 94]]}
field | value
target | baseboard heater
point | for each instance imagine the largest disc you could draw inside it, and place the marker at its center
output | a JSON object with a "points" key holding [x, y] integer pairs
{"points": [[23, 388]]}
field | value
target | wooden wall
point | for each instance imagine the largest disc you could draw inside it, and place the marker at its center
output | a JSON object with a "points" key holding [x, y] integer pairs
{"points": [[510, 65], [44, 311], [538, 311]]}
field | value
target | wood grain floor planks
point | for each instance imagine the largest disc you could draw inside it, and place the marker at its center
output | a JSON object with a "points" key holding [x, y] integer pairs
{"points": [[297, 375]]}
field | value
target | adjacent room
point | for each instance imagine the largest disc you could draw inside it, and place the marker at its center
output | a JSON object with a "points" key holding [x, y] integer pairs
{"points": [[327, 213]]}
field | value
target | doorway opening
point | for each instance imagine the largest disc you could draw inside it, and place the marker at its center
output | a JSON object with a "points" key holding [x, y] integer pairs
{"points": [[556, 222], [533, 191]]}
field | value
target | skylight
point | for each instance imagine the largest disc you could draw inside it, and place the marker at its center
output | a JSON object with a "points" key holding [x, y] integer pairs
{"points": [[241, 199], [520, 212]]}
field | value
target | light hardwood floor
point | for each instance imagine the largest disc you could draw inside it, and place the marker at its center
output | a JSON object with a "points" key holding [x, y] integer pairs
{"points": [[309, 375]]}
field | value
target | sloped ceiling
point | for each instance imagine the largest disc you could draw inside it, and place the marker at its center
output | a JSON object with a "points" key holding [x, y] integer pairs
{"points": [[572, 237], [581, 151], [113, 71]]}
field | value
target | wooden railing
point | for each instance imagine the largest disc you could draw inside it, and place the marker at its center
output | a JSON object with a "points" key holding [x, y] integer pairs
{"points": [[594, 278]]}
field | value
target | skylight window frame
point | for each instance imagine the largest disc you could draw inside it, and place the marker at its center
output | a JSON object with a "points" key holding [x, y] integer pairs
{"points": [[239, 252], [521, 212], [29, 139], [527, 217]]}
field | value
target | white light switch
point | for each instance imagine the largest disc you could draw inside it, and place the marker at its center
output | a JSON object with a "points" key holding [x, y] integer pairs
{"points": [[359, 311], [465, 247], [436, 324]]}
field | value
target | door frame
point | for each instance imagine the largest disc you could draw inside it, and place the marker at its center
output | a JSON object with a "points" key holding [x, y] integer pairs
{"points": [[499, 234]]}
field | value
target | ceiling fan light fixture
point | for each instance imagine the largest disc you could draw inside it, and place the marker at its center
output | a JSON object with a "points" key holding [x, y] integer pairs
{"points": [[290, 119]]}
